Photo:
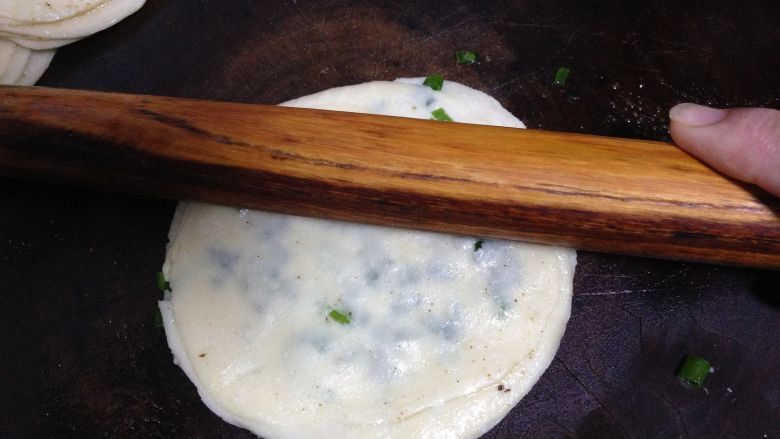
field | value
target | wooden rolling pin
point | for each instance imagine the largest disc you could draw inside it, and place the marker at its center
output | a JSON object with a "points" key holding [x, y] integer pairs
{"points": [[595, 193]]}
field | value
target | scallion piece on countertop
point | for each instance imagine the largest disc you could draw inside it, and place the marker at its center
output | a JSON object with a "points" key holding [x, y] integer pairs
{"points": [[561, 75], [440, 114], [478, 244], [162, 284], [434, 81], [694, 370], [339, 317], [465, 57], [158, 319]]}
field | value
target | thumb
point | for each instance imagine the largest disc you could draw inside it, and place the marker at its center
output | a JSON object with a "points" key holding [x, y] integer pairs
{"points": [[743, 143]]}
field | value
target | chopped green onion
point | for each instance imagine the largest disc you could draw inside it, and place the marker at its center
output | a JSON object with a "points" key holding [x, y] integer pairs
{"points": [[440, 114], [478, 244], [560, 76], [434, 81], [162, 284], [158, 320], [339, 317], [465, 57], [694, 370]]}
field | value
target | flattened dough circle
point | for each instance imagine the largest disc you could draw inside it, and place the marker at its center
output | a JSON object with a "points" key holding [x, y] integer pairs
{"points": [[445, 333]]}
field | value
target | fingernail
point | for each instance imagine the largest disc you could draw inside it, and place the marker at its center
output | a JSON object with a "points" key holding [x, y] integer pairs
{"points": [[696, 115]]}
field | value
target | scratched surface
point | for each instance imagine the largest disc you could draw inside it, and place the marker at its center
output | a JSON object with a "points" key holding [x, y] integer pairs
{"points": [[80, 355]]}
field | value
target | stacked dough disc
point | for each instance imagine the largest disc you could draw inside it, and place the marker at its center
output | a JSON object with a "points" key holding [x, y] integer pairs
{"points": [[31, 31]]}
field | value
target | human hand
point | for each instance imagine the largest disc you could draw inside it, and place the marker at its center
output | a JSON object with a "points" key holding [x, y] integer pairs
{"points": [[743, 143]]}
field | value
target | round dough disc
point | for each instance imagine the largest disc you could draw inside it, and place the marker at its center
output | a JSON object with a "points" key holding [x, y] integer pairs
{"points": [[37, 64], [15, 65], [305, 328], [79, 26], [42, 43], [7, 49], [43, 11]]}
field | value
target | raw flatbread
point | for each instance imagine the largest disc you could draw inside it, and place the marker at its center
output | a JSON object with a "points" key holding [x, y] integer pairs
{"points": [[42, 43], [433, 336], [37, 64], [79, 26], [31, 30], [7, 49], [15, 66], [44, 11], [20, 65]]}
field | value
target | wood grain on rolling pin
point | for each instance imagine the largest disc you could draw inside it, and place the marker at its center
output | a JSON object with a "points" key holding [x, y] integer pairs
{"points": [[589, 192]]}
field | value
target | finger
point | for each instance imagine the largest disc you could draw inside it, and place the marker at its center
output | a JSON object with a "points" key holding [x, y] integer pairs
{"points": [[743, 143]]}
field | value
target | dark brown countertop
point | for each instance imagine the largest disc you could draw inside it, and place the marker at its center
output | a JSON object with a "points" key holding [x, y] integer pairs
{"points": [[81, 357]]}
